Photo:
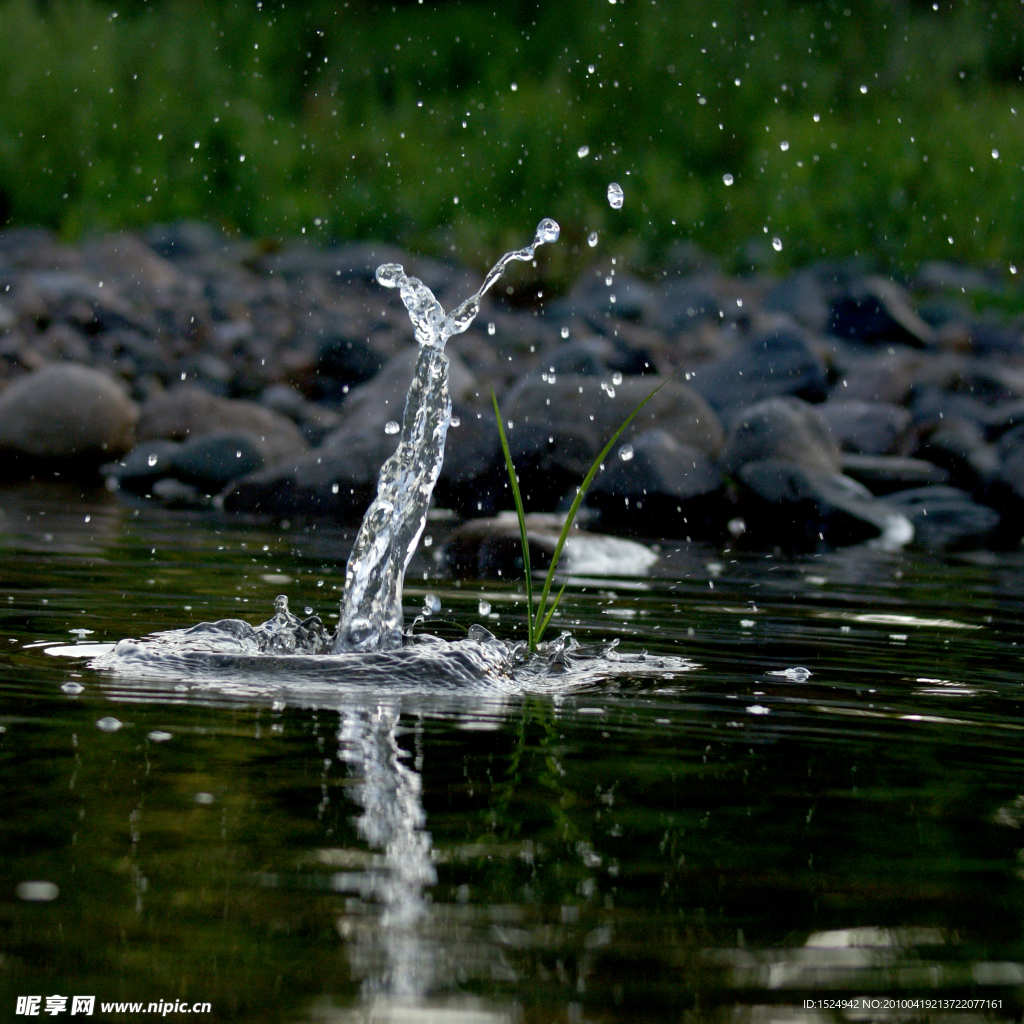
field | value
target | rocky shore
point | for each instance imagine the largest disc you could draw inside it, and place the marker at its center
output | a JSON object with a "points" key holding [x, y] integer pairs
{"points": [[830, 407]]}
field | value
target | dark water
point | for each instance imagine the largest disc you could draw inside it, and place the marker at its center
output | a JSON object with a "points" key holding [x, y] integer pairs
{"points": [[723, 844]]}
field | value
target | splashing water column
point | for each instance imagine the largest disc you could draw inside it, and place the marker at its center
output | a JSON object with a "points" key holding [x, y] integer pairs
{"points": [[371, 611]]}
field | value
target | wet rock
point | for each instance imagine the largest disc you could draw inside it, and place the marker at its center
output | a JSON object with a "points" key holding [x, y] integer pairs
{"points": [[959, 447], [591, 407], [331, 483], [209, 462], [945, 517], [184, 240], [473, 480], [781, 429], [597, 296], [588, 356], [684, 303], [66, 414], [882, 474], [866, 428], [663, 489], [343, 363], [189, 411], [1006, 491], [803, 297], [174, 493], [776, 362], [783, 503], [876, 309], [146, 463], [883, 378], [313, 420], [492, 549]]}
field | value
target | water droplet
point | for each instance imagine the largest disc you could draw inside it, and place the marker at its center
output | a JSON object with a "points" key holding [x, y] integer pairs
{"points": [[609, 281], [108, 724], [583, 151], [616, 378], [37, 892], [590, 69], [390, 274], [153, 460], [238, 454], [456, 422], [335, 488], [864, 89], [547, 231], [392, 427], [615, 196], [203, 798], [736, 81], [626, 452], [455, 200], [728, 178], [431, 604], [777, 244], [995, 154], [758, 709], [73, 689], [158, 736], [565, 330], [307, 610], [491, 328], [514, 87], [483, 608], [592, 239], [783, 146]]}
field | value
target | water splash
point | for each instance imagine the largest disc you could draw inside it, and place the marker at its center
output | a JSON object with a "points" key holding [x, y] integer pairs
{"points": [[615, 196], [371, 612]]}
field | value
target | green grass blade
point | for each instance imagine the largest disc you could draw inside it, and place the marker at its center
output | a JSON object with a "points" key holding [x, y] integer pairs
{"points": [[522, 525], [551, 611], [542, 619]]}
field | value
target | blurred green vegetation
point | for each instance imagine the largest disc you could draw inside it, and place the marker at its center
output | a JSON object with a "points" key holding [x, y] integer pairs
{"points": [[887, 128]]}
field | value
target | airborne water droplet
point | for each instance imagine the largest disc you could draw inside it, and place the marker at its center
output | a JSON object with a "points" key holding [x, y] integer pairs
{"points": [[484, 607], [583, 151], [153, 460], [491, 329], [783, 146], [615, 196], [626, 452], [431, 604], [616, 378], [728, 178], [590, 69], [777, 244], [995, 154], [108, 724], [547, 231], [456, 422], [592, 238], [391, 427], [565, 330]]}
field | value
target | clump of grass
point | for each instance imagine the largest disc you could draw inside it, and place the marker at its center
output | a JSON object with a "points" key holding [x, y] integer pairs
{"points": [[537, 619]]}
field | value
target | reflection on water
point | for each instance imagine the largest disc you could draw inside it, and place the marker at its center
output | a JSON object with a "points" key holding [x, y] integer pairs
{"points": [[823, 801]]}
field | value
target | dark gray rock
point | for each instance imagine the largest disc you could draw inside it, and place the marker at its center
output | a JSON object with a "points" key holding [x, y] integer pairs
{"points": [[684, 303], [66, 414], [315, 421], [876, 309], [146, 463], [342, 364], [945, 517], [803, 297], [209, 462], [882, 474], [866, 428], [880, 378], [336, 484], [781, 428], [473, 480], [190, 411], [663, 489], [959, 447], [783, 503], [777, 362]]}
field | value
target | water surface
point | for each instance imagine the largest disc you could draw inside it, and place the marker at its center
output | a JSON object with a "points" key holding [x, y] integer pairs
{"points": [[724, 843]]}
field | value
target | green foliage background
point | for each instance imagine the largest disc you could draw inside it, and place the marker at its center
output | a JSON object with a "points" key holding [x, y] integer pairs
{"points": [[903, 122]]}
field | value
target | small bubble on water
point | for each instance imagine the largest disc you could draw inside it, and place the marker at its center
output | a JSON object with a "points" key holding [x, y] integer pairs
{"points": [[158, 736], [728, 178], [391, 427], [583, 151], [431, 604], [491, 328], [483, 608], [73, 689], [153, 460], [615, 196], [777, 244], [626, 452], [592, 239], [108, 724], [783, 146], [564, 332]]}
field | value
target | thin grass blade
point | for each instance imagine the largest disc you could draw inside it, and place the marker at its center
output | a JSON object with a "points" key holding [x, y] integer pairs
{"points": [[521, 515]]}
